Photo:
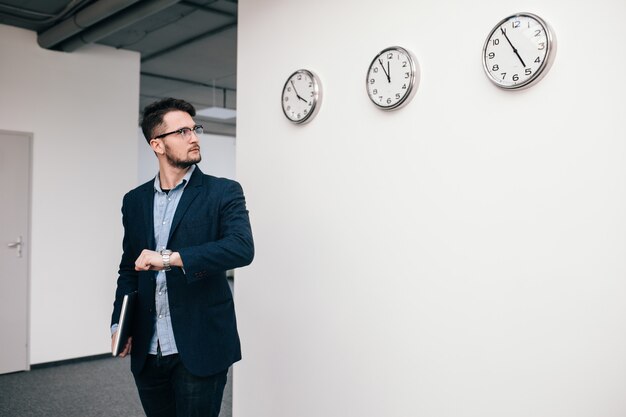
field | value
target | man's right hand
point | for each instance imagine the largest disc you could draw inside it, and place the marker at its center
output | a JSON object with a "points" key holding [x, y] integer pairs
{"points": [[127, 348]]}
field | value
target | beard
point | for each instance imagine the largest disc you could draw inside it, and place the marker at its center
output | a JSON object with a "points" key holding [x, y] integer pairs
{"points": [[181, 163]]}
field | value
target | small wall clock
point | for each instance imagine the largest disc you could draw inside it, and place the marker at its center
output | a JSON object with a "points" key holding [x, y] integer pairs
{"points": [[302, 96], [392, 78], [519, 51]]}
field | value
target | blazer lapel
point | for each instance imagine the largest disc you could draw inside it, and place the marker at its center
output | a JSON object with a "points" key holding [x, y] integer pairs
{"points": [[189, 194]]}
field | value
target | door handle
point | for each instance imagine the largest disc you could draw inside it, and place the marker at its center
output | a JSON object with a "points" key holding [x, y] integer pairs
{"points": [[18, 246]]}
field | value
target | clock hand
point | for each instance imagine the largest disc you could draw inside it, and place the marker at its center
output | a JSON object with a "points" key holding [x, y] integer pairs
{"points": [[388, 72], [296, 91], [383, 67], [514, 50]]}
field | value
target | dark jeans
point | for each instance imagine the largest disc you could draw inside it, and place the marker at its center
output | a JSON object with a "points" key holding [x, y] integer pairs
{"points": [[167, 389]]}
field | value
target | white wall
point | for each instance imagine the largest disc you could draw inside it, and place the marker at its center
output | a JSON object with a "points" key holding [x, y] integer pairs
{"points": [[83, 121], [463, 256]]}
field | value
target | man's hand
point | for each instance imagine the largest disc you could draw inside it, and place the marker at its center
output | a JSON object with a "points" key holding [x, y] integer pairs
{"points": [[127, 348], [150, 260]]}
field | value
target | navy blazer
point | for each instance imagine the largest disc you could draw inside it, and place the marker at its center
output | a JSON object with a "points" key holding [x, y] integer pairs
{"points": [[211, 231]]}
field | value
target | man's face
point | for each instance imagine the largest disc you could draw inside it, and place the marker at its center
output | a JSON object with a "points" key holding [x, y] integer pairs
{"points": [[180, 152]]}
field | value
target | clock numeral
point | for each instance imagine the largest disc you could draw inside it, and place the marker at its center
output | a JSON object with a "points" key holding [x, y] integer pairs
{"points": [[542, 46], [515, 77], [389, 101], [496, 41], [312, 94], [310, 104], [380, 98], [288, 108], [528, 71], [406, 75], [299, 77], [397, 96], [310, 85], [404, 64], [390, 55], [372, 81], [537, 60], [305, 111], [375, 70], [537, 32], [503, 75], [492, 55], [495, 68], [299, 116], [289, 89], [374, 91], [515, 24], [404, 87], [286, 98]]}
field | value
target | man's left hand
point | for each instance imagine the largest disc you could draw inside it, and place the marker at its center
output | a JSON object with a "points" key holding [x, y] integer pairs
{"points": [[149, 260]]}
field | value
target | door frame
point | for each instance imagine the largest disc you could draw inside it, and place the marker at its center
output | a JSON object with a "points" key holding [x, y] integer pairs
{"points": [[28, 136]]}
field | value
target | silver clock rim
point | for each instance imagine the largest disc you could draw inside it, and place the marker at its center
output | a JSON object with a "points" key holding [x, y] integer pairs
{"points": [[545, 65], [317, 89], [412, 82]]}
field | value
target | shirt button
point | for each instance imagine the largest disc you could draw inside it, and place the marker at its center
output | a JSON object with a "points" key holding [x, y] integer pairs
{"points": [[164, 222], [160, 316], [160, 293]]}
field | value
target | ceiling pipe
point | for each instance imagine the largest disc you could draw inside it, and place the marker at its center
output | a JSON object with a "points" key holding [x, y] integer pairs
{"points": [[80, 21], [118, 22]]}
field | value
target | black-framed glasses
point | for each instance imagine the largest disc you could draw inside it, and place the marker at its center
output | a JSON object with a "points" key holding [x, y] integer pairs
{"points": [[184, 132]]}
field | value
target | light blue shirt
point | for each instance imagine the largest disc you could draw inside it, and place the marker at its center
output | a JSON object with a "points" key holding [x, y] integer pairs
{"points": [[165, 205]]}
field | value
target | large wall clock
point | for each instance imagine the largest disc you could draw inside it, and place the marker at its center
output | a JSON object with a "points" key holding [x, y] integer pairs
{"points": [[519, 51], [302, 96], [392, 78]]}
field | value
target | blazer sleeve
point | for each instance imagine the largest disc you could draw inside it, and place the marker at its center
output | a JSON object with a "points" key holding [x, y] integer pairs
{"points": [[234, 247], [127, 278]]}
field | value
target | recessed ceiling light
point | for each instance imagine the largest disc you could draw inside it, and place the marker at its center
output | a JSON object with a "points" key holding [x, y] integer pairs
{"points": [[217, 113]]}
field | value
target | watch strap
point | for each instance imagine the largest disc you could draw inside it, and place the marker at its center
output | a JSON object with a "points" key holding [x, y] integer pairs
{"points": [[165, 254]]}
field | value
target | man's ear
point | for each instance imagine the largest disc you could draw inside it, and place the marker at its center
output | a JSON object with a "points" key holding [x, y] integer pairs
{"points": [[157, 146]]}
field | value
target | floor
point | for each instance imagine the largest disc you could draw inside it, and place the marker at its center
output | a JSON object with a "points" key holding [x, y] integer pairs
{"points": [[90, 388]]}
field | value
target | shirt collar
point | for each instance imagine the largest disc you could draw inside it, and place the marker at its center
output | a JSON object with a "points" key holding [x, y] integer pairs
{"points": [[183, 183]]}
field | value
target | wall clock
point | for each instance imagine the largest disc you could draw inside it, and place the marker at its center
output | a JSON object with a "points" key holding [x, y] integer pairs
{"points": [[302, 96], [392, 78], [519, 51]]}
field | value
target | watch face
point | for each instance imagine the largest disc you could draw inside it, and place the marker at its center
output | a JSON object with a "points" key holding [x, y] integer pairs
{"points": [[392, 78], [301, 96], [518, 51]]}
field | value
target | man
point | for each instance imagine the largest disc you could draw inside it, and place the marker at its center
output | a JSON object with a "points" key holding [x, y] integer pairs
{"points": [[182, 232]]}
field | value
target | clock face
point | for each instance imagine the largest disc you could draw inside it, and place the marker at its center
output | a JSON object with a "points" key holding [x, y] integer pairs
{"points": [[518, 51], [301, 96], [392, 78]]}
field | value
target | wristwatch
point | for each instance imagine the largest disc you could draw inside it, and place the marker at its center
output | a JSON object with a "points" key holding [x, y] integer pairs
{"points": [[165, 253]]}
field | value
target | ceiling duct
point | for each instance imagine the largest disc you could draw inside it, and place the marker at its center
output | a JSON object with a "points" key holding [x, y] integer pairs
{"points": [[114, 23], [118, 22], [80, 21]]}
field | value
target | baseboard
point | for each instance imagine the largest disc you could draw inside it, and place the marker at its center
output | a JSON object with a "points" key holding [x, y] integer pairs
{"points": [[69, 361]]}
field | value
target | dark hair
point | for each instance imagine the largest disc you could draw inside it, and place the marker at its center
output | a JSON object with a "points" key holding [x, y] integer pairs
{"points": [[153, 114]]}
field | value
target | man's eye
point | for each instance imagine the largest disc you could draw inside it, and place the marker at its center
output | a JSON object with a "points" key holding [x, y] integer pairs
{"points": [[184, 131]]}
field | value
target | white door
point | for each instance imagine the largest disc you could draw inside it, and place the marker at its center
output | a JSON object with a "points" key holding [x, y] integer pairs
{"points": [[14, 248]]}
